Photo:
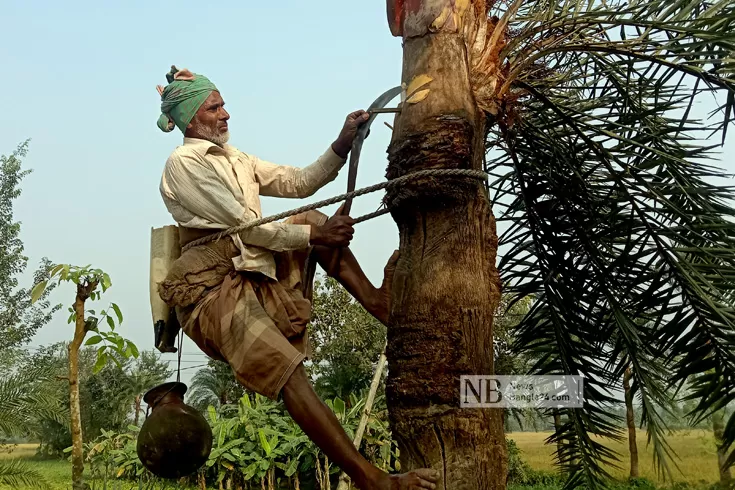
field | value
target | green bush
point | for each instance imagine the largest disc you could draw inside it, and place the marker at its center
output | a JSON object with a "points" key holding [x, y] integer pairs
{"points": [[544, 478], [518, 470], [113, 455], [55, 437], [521, 475], [639, 484], [256, 445]]}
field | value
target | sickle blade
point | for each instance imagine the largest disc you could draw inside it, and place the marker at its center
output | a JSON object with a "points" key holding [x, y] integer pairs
{"points": [[362, 131]]}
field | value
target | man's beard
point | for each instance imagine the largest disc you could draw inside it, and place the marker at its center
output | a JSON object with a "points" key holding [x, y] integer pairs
{"points": [[211, 134]]}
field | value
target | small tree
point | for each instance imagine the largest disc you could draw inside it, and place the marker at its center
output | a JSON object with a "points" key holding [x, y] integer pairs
{"points": [[87, 281], [19, 319]]}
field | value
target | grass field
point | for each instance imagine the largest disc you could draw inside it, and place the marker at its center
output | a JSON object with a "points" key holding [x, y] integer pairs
{"points": [[697, 458], [696, 450]]}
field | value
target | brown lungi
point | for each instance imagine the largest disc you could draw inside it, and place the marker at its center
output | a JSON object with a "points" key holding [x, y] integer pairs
{"points": [[246, 319]]}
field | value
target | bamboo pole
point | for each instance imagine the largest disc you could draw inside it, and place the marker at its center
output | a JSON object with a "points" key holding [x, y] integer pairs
{"points": [[365, 413]]}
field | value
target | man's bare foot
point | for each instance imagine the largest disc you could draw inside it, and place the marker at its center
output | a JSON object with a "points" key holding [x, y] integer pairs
{"points": [[381, 308], [421, 478]]}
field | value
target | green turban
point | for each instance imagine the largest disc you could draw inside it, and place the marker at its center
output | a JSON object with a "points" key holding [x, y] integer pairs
{"points": [[182, 98]]}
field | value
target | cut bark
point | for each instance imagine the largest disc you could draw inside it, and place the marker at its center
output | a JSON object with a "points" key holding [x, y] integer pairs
{"points": [[446, 286]]}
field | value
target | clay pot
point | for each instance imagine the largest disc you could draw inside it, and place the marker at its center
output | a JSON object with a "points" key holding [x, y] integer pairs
{"points": [[175, 440]]}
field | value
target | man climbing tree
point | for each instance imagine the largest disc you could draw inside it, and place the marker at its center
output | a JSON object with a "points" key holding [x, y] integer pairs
{"points": [[245, 300]]}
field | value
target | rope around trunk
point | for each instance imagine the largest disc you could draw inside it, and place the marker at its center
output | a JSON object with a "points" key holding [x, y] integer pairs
{"points": [[477, 174]]}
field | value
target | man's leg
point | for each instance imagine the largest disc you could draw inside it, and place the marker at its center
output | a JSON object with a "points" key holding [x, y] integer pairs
{"points": [[349, 273], [319, 423]]}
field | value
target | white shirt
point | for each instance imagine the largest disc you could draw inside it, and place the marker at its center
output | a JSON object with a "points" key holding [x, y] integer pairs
{"points": [[207, 186]]}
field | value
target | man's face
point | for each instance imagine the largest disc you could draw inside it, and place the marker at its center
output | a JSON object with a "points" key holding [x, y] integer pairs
{"points": [[210, 121]]}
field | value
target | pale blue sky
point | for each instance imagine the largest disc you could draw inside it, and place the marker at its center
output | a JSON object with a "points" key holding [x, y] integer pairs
{"points": [[79, 79]]}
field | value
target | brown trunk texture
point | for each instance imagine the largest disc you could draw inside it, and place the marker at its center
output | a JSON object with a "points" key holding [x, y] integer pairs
{"points": [[77, 456], [718, 427], [630, 419], [446, 286]]}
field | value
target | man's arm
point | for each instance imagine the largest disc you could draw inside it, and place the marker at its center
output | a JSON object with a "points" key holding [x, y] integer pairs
{"points": [[286, 181]]}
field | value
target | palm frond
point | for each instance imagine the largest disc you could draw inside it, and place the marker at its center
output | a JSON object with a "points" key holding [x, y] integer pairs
{"points": [[214, 385], [28, 396], [16, 473], [618, 224]]}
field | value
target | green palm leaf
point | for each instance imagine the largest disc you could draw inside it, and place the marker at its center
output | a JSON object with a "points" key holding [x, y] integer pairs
{"points": [[618, 225], [16, 473], [214, 385], [26, 397]]}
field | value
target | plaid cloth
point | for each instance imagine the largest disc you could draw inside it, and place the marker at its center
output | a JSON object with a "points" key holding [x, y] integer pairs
{"points": [[248, 320]]}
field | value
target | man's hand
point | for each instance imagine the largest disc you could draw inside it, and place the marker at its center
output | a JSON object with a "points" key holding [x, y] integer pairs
{"points": [[337, 232], [343, 144]]}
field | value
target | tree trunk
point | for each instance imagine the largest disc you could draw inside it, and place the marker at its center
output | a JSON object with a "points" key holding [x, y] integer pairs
{"points": [[446, 286], [718, 427], [77, 457], [630, 419], [137, 408]]}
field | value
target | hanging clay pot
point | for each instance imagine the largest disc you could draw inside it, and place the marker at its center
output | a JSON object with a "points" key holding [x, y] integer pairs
{"points": [[175, 440]]}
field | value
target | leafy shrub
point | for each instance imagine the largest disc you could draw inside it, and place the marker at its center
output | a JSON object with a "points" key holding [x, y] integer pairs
{"points": [[518, 470], [113, 455], [544, 479], [639, 484], [256, 445]]}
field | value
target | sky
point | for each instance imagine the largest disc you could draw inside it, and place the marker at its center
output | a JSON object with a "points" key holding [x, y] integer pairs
{"points": [[78, 79]]}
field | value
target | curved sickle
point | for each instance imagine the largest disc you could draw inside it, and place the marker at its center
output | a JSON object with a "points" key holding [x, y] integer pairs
{"points": [[362, 132]]}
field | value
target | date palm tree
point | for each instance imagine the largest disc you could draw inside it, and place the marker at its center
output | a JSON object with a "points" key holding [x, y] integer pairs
{"points": [[214, 385], [588, 115]]}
